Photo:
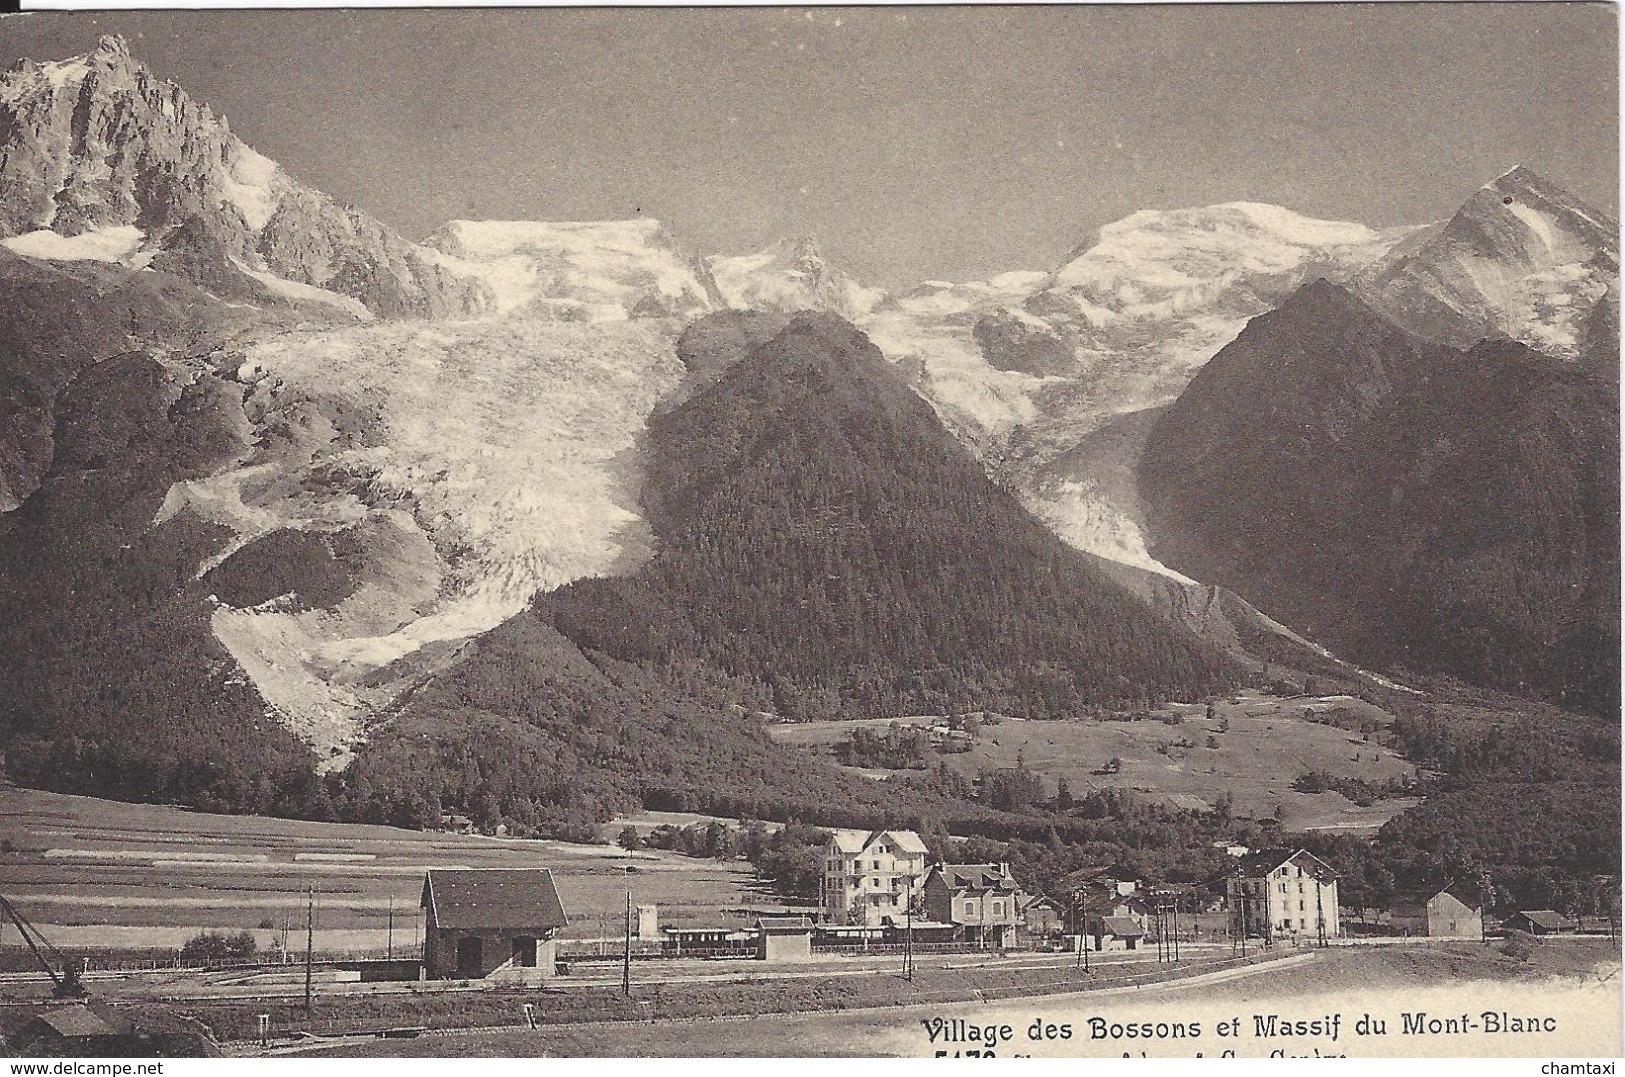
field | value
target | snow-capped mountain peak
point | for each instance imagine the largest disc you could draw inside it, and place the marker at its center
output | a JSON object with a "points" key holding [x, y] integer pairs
{"points": [[791, 275], [1522, 258], [579, 270]]}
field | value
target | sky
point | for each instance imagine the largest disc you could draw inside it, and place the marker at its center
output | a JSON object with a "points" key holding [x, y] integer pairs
{"points": [[913, 143]]}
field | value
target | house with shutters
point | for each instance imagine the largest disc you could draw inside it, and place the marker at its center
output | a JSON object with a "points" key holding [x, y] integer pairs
{"points": [[871, 876], [982, 901], [1283, 895], [490, 923]]}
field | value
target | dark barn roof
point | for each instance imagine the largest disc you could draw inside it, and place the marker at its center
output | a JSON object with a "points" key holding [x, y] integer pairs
{"points": [[1123, 927], [1546, 918], [493, 898], [80, 1021]]}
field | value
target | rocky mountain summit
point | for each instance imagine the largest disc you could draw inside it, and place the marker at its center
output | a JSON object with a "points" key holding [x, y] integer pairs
{"points": [[1407, 503], [1522, 258], [101, 159]]}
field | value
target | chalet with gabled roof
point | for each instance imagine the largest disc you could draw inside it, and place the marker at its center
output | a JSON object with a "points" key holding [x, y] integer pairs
{"points": [[1540, 922], [871, 876], [1452, 911]]}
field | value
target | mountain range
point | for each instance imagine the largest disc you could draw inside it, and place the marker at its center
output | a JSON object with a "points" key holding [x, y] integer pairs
{"points": [[273, 467]]}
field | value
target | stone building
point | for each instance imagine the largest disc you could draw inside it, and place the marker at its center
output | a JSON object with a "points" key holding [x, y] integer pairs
{"points": [[490, 923]]}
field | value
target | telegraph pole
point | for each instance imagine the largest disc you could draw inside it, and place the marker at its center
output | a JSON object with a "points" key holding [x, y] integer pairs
{"points": [[310, 944], [389, 951], [626, 953], [1077, 930], [1244, 923], [908, 932]]}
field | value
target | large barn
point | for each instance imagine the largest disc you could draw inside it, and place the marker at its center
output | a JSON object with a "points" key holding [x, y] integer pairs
{"points": [[490, 923], [1453, 911]]}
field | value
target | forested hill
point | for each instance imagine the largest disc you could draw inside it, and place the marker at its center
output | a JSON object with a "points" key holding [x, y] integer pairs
{"points": [[1409, 505], [823, 537]]}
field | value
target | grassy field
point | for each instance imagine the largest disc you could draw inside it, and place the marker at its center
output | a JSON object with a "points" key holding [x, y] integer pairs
{"points": [[97, 873], [1267, 746], [1567, 978]]}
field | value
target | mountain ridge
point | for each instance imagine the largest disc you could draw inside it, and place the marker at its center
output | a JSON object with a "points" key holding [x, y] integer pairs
{"points": [[1409, 504], [97, 146]]}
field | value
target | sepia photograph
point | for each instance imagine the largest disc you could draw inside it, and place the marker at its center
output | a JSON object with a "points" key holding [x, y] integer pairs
{"points": [[963, 531]]}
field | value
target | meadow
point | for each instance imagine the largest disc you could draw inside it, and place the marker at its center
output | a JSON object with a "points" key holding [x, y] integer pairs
{"points": [[1254, 748], [97, 873]]}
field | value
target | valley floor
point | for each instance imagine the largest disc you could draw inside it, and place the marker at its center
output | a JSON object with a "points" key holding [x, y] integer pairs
{"points": [[94, 873], [1574, 981]]}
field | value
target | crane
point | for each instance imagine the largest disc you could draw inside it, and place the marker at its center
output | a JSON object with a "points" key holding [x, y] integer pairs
{"points": [[67, 982]]}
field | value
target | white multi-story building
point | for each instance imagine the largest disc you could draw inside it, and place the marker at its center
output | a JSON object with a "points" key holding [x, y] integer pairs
{"points": [[870, 877], [1284, 895]]}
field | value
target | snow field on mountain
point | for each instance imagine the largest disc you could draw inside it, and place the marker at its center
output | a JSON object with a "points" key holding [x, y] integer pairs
{"points": [[604, 268], [974, 397], [97, 245], [497, 461], [1086, 517], [1159, 264]]}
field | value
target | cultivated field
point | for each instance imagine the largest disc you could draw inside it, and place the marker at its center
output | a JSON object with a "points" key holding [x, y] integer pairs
{"points": [[1268, 745], [97, 873]]}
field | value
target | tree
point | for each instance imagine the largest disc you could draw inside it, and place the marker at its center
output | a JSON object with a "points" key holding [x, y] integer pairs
{"points": [[628, 838], [208, 946], [1011, 789], [1063, 795]]}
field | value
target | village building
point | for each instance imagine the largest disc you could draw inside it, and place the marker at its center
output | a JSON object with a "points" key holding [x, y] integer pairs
{"points": [[1452, 912], [1540, 922], [1042, 918], [871, 876], [784, 938], [1283, 895], [981, 900], [490, 923], [1116, 932]]}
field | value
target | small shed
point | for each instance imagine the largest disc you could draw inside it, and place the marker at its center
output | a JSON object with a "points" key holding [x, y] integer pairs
{"points": [[784, 938], [1540, 922], [74, 1030], [490, 923], [1118, 933]]}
